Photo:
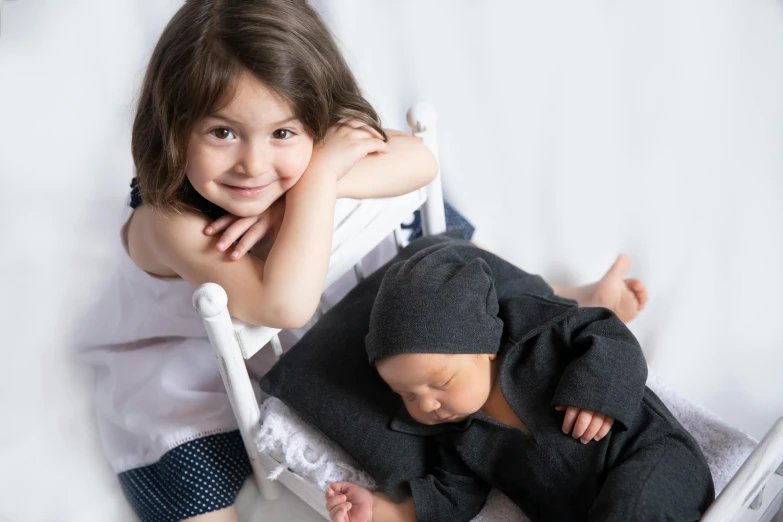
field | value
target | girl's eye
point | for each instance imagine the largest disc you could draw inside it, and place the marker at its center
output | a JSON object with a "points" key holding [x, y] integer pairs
{"points": [[222, 133], [282, 134], [409, 398]]}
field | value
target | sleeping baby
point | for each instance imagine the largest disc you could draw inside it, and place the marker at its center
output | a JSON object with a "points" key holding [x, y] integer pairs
{"points": [[531, 395]]}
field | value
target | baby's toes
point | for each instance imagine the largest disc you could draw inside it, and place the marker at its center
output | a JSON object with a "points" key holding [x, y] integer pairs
{"points": [[639, 291]]}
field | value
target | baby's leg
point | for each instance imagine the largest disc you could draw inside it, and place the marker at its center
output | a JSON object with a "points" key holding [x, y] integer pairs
{"points": [[625, 297], [228, 514], [663, 482]]}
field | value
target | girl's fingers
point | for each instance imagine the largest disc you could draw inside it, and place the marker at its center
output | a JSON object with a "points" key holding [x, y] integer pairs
{"points": [[369, 145], [592, 429], [607, 425], [582, 422], [250, 238], [219, 224], [364, 131], [235, 231], [569, 419], [371, 131], [352, 123]]}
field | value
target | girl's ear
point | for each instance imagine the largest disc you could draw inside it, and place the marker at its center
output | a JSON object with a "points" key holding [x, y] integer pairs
{"points": [[492, 356]]}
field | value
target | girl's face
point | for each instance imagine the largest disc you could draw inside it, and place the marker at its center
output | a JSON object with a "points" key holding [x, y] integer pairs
{"points": [[440, 387], [246, 155]]}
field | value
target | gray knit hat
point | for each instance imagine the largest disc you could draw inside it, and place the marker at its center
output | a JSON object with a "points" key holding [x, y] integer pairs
{"points": [[435, 302]]}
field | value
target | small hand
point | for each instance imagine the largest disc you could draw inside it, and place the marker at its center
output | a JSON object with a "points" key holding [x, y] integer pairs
{"points": [[347, 502], [251, 229], [587, 425], [344, 145]]}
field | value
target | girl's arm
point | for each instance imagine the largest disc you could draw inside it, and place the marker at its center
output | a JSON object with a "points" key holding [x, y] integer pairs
{"points": [[407, 166], [284, 291]]}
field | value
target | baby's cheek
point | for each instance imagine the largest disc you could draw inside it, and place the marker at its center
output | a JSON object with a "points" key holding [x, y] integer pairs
{"points": [[416, 414]]}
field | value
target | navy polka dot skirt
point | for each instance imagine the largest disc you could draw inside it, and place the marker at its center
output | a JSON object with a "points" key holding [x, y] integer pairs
{"points": [[194, 478]]}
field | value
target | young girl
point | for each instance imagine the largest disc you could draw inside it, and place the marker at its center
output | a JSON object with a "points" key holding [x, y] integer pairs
{"points": [[242, 103]]}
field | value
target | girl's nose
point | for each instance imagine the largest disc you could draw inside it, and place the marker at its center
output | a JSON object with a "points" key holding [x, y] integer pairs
{"points": [[255, 161]]}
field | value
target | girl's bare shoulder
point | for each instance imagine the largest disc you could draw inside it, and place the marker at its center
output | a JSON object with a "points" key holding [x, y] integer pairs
{"points": [[152, 236]]}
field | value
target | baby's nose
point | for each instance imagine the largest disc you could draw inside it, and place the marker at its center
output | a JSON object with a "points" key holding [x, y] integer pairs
{"points": [[430, 405]]}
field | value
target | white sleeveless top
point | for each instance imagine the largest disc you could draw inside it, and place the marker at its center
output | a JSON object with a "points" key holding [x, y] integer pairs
{"points": [[157, 384]]}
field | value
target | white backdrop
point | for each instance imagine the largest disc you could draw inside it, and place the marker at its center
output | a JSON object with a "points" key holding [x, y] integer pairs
{"points": [[569, 133]]}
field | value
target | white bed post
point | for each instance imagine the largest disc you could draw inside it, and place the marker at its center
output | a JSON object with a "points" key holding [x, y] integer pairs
{"points": [[423, 119], [211, 302], [745, 491]]}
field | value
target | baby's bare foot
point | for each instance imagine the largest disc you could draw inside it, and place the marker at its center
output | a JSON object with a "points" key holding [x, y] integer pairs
{"points": [[625, 297]]}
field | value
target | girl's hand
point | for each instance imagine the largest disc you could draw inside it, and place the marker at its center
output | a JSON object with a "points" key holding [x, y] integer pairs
{"points": [[347, 502], [344, 145], [251, 229], [587, 425]]}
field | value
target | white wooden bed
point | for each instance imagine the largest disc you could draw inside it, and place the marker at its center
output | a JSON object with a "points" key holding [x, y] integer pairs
{"points": [[753, 494]]}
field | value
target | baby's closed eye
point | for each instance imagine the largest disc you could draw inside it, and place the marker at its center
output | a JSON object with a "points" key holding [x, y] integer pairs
{"points": [[446, 383]]}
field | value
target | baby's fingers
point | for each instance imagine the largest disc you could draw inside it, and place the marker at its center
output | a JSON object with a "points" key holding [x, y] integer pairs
{"points": [[336, 500], [339, 513], [219, 224], [582, 422], [592, 429], [569, 419], [607, 425]]}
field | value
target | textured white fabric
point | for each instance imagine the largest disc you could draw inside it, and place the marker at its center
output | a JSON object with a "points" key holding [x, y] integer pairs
{"points": [[304, 450]]}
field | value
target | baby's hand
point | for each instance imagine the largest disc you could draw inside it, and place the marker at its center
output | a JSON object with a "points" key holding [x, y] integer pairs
{"points": [[251, 229], [344, 145], [587, 425], [347, 502]]}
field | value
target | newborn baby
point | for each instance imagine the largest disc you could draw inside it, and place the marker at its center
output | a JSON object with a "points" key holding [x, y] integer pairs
{"points": [[531, 395]]}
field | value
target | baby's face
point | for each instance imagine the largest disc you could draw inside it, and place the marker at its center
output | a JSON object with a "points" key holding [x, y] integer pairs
{"points": [[439, 387]]}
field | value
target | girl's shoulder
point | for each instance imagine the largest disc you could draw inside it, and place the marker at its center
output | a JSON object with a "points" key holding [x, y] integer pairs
{"points": [[151, 238]]}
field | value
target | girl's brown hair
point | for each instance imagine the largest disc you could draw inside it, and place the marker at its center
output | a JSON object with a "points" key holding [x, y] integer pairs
{"points": [[205, 47]]}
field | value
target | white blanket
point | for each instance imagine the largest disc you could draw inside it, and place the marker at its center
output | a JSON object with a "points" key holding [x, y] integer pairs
{"points": [[307, 452]]}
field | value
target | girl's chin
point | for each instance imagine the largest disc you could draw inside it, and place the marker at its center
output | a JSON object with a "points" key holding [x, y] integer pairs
{"points": [[246, 209]]}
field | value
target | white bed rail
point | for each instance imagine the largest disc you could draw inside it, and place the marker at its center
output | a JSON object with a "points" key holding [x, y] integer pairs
{"points": [[422, 120], [755, 492]]}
